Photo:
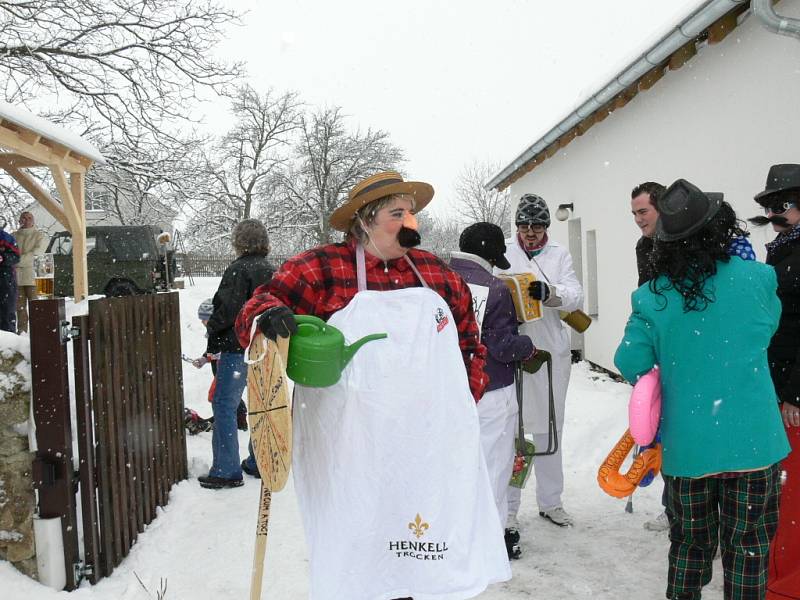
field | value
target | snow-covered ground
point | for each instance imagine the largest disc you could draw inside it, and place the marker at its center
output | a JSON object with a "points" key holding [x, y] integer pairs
{"points": [[201, 544]]}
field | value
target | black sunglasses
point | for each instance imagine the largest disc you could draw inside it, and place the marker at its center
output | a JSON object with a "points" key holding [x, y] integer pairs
{"points": [[779, 209]]}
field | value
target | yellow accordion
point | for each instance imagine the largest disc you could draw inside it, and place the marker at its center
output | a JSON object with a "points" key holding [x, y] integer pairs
{"points": [[527, 308]]}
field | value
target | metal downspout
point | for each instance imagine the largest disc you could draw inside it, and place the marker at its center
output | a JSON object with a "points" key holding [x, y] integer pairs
{"points": [[775, 22]]}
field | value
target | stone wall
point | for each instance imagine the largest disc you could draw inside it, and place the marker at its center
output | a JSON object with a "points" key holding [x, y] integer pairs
{"points": [[17, 499]]}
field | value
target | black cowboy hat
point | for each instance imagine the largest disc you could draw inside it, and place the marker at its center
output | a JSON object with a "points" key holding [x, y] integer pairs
{"points": [[781, 178], [684, 209]]}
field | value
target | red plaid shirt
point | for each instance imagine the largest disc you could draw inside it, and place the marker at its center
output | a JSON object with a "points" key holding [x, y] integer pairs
{"points": [[322, 281]]}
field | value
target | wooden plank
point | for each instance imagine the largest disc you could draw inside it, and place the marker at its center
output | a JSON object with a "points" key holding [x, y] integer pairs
{"points": [[149, 392], [116, 461], [164, 396], [51, 413], [141, 416], [80, 267], [123, 333], [42, 196], [98, 323], [119, 431], [12, 139], [29, 137], [67, 202], [17, 161], [172, 326], [86, 448], [175, 327], [139, 421], [60, 151], [159, 449]]}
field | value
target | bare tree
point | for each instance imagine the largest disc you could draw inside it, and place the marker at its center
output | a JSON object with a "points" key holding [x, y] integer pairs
{"points": [[438, 235], [477, 203], [242, 169], [146, 181], [248, 157], [133, 64], [330, 159]]}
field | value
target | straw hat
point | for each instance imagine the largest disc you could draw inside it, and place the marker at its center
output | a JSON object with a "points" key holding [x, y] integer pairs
{"points": [[376, 187]]}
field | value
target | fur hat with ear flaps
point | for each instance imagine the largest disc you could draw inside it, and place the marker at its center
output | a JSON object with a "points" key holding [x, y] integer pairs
{"points": [[375, 187]]}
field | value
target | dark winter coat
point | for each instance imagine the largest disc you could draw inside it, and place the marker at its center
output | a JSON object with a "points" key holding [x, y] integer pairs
{"points": [[239, 281], [644, 248], [784, 349], [499, 332], [9, 257]]}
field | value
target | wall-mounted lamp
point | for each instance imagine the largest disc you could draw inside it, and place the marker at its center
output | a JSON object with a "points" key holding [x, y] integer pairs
{"points": [[562, 213]]}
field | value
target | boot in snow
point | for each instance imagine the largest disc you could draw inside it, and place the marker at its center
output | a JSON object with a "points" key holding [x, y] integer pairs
{"points": [[512, 544]]}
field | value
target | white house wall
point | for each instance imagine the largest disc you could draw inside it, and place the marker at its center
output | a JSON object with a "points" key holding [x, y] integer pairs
{"points": [[720, 122]]}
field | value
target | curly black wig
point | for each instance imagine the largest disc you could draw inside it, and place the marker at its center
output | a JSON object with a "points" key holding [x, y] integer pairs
{"points": [[688, 263]]}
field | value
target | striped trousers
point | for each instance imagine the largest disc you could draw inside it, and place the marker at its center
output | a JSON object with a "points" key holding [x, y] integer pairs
{"points": [[741, 512]]}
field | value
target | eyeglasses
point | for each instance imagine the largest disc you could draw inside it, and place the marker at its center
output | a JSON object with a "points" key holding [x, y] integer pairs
{"points": [[531, 227], [779, 209]]}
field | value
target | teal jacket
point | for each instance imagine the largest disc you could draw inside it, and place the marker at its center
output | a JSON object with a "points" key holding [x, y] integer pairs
{"points": [[719, 408]]}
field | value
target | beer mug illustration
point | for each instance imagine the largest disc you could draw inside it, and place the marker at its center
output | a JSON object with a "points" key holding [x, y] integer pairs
{"points": [[43, 272]]}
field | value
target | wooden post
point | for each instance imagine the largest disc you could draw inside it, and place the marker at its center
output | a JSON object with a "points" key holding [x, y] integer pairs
{"points": [[86, 445], [54, 475]]}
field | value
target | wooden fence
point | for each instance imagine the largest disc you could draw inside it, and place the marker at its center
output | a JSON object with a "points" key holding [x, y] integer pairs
{"points": [[196, 264], [129, 417]]}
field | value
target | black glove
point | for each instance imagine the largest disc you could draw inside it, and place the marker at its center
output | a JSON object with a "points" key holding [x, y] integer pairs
{"points": [[277, 321], [539, 290], [535, 362]]}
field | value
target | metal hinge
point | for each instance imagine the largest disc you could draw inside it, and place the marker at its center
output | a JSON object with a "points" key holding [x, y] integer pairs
{"points": [[81, 571], [69, 332]]}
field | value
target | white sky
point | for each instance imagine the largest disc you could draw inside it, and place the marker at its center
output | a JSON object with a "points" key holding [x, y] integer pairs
{"points": [[452, 81]]}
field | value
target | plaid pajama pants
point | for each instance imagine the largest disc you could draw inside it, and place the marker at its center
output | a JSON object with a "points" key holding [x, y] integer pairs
{"points": [[742, 512]]}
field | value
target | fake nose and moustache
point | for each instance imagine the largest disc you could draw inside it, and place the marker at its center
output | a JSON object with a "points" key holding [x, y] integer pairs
{"points": [[408, 236], [761, 220]]}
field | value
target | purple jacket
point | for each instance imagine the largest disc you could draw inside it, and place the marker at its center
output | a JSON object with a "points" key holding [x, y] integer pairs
{"points": [[499, 332]]}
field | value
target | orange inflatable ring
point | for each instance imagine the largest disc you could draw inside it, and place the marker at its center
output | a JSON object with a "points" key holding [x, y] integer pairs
{"points": [[615, 483]]}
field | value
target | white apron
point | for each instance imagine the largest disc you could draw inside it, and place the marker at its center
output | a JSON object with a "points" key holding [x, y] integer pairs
{"points": [[388, 469]]}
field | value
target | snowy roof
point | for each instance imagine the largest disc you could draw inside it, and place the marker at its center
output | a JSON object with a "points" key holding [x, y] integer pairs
{"points": [[51, 131], [694, 22]]}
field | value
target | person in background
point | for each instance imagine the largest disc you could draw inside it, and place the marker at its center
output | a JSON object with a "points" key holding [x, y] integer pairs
{"points": [[530, 250], [706, 319], [9, 258], [31, 242], [204, 312], [249, 271], [645, 214], [781, 203], [482, 247]]}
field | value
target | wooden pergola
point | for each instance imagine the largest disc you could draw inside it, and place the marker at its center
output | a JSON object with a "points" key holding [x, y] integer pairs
{"points": [[27, 142]]}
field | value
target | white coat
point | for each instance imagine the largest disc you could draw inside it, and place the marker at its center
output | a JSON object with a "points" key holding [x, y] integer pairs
{"points": [[548, 333], [31, 241]]}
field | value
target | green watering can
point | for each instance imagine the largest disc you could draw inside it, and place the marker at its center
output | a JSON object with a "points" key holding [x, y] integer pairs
{"points": [[317, 352]]}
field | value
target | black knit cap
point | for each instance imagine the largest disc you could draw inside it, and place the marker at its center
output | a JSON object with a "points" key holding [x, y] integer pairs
{"points": [[487, 241]]}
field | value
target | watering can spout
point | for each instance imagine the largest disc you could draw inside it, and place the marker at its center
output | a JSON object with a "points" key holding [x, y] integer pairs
{"points": [[349, 351]]}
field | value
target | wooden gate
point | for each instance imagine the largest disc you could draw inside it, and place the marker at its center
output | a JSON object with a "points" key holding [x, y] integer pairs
{"points": [[129, 421]]}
